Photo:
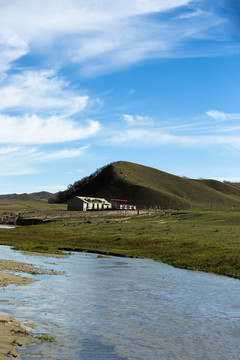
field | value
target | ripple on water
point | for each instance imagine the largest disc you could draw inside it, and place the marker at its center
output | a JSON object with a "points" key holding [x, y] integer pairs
{"points": [[103, 308]]}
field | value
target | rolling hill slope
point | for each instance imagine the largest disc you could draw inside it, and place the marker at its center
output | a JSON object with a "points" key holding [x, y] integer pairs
{"points": [[149, 187], [38, 196]]}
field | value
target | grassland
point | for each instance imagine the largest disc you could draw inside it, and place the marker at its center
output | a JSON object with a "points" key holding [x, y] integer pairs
{"points": [[198, 240]]}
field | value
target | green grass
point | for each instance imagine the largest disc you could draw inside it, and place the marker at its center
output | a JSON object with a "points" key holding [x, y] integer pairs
{"points": [[205, 240], [46, 338], [34, 273]]}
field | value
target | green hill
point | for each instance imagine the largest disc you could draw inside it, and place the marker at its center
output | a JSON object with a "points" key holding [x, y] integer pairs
{"points": [[149, 187]]}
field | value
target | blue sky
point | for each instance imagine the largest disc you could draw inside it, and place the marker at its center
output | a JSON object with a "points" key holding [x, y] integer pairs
{"points": [[86, 83]]}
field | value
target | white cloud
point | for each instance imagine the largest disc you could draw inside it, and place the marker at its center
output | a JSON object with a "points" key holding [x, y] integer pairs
{"points": [[17, 161], [28, 25], [29, 17], [152, 137], [193, 14], [156, 137], [44, 104], [40, 107], [103, 35], [41, 91], [218, 115], [32, 129], [136, 119], [194, 133], [12, 47], [36, 109], [25, 160], [65, 153], [8, 150]]}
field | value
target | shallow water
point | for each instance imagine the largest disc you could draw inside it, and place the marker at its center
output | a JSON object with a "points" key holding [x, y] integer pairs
{"points": [[6, 227], [118, 309]]}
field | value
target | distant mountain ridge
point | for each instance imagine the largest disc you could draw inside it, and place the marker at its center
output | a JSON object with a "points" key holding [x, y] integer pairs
{"points": [[36, 196], [149, 187]]}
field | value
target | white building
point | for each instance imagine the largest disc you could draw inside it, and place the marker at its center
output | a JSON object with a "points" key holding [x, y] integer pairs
{"points": [[118, 204], [86, 203]]}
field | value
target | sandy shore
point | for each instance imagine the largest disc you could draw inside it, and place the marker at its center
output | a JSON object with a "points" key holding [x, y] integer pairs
{"points": [[17, 266], [14, 266], [12, 334], [7, 279]]}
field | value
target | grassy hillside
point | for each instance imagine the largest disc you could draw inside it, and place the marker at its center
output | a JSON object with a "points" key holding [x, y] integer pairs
{"points": [[42, 195], [149, 187]]}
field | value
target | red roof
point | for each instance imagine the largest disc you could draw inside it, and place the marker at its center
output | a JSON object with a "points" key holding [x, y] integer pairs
{"points": [[123, 202]]}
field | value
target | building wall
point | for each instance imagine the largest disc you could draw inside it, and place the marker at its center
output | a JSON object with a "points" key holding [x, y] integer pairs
{"points": [[117, 206], [128, 207], [106, 207], [76, 204], [94, 206]]}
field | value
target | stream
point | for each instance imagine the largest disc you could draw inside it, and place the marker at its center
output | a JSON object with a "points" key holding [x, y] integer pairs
{"points": [[125, 309]]}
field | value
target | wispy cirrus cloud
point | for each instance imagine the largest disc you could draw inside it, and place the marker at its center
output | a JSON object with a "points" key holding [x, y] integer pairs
{"points": [[25, 160], [86, 29], [219, 115], [136, 119], [12, 48], [40, 39], [37, 108], [32, 129], [100, 40], [16, 161], [192, 134], [152, 137], [66, 153], [40, 91], [40, 108], [158, 137]]}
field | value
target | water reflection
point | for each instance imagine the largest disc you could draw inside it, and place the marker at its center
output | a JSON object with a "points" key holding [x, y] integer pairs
{"points": [[106, 308], [93, 346]]}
